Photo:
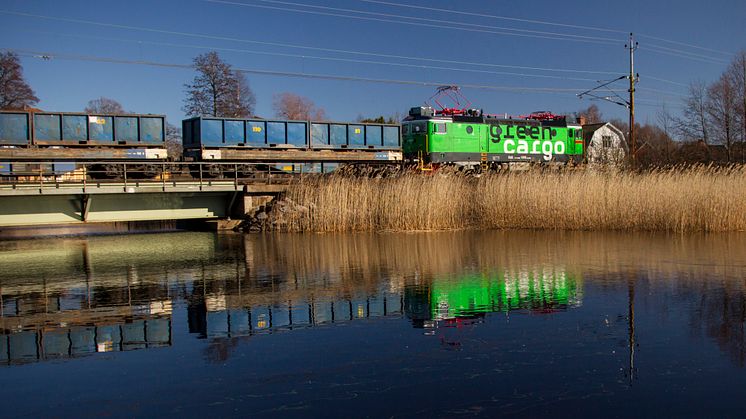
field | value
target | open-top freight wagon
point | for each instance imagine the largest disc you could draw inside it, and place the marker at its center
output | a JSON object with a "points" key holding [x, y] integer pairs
{"points": [[64, 138], [262, 140]]}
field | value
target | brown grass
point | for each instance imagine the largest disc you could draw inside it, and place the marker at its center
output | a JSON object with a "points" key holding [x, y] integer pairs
{"points": [[689, 199]]}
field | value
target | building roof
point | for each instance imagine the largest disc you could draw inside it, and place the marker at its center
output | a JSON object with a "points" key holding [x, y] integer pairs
{"points": [[590, 129]]}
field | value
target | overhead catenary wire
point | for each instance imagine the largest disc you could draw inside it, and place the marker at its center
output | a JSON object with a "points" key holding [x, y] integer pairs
{"points": [[555, 36], [421, 19], [349, 60], [686, 44], [334, 59], [688, 57], [684, 54], [646, 76], [52, 55], [482, 15], [311, 48], [305, 47], [539, 22], [575, 38], [513, 89]]}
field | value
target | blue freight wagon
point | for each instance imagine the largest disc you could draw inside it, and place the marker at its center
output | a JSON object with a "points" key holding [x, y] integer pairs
{"points": [[207, 132], [60, 129], [81, 136]]}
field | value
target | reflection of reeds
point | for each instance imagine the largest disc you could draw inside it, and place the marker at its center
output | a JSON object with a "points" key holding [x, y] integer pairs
{"points": [[680, 200], [367, 257]]}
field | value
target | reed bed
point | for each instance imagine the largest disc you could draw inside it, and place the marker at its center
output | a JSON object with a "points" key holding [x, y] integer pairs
{"points": [[702, 198]]}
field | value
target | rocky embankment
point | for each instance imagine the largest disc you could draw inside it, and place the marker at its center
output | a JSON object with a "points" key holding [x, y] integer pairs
{"points": [[273, 215]]}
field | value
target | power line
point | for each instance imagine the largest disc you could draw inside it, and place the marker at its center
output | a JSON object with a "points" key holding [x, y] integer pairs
{"points": [[310, 48], [539, 22], [663, 92], [514, 19], [661, 48], [687, 45], [656, 50], [665, 81], [47, 56], [286, 45], [312, 6], [547, 35], [521, 89], [562, 37], [350, 60], [335, 59]]}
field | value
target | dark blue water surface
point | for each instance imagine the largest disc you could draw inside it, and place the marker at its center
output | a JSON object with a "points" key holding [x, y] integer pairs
{"points": [[374, 325]]}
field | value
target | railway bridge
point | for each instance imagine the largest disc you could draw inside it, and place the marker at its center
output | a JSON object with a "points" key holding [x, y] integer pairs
{"points": [[50, 194]]}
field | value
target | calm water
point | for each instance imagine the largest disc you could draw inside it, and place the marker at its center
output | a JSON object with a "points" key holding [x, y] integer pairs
{"points": [[366, 325]]}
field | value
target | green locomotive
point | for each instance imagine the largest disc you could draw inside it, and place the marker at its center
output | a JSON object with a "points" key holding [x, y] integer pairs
{"points": [[470, 137]]}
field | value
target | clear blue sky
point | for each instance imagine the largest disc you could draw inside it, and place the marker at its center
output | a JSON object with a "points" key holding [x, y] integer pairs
{"points": [[65, 84]]}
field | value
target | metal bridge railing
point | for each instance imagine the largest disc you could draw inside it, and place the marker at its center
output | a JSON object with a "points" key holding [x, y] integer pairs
{"points": [[134, 176]]}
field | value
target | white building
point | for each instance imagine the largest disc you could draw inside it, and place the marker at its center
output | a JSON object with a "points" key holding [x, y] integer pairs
{"points": [[604, 143]]}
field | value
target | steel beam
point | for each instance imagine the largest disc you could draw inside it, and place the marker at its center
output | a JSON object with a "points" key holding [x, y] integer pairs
{"points": [[72, 209], [87, 153]]}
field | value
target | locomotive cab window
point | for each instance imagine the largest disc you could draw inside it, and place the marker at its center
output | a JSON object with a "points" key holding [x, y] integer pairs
{"points": [[439, 128], [405, 129]]}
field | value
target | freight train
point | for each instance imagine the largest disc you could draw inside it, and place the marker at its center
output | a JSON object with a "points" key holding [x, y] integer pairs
{"points": [[426, 136]]}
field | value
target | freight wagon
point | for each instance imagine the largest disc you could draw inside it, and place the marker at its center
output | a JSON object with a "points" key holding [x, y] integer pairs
{"points": [[27, 137], [262, 140]]}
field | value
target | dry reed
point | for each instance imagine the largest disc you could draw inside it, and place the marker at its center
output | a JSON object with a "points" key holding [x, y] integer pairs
{"points": [[702, 198]]}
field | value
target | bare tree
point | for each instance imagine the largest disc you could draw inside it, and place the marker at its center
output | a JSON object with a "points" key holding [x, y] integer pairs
{"points": [[291, 106], [655, 144], [737, 74], [15, 93], [591, 114], [721, 100], [218, 90], [104, 105], [666, 123], [392, 119], [174, 143], [694, 124]]}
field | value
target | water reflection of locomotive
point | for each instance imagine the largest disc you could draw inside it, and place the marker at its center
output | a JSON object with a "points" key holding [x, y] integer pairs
{"points": [[470, 297], [224, 312], [426, 135]]}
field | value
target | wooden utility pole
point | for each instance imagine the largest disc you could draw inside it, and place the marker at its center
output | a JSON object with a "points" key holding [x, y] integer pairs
{"points": [[632, 46]]}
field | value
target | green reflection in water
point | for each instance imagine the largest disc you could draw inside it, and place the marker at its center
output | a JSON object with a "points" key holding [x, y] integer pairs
{"points": [[539, 290]]}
